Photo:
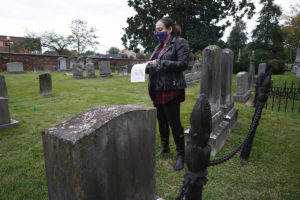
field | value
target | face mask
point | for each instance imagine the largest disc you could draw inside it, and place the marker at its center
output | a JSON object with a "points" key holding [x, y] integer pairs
{"points": [[161, 36]]}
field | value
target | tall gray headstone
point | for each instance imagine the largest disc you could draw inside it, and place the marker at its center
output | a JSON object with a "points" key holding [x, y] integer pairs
{"points": [[77, 71], [261, 68], [297, 60], [251, 70], [80, 60], [125, 70], [210, 85], [15, 68], [45, 84], [227, 104], [242, 90], [106, 153], [90, 70], [62, 64], [5, 120], [72, 60], [3, 88], [35, 68], [297, 71], [104, 69]]}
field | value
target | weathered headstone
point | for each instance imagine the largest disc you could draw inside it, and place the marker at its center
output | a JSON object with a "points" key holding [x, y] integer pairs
{"points": [[242, 90], [196, 67], [77, 71], [53, 69], [297, 60], [35, 68], [106, 153], [15, 68], [62, 64], [125, 70], [80, 60], [211, 86], [104, 69], [72, 60], [251, 70], [90, 70], [45, 84], [46, 70], [89, 60], [227, 104], [297, 71], [261, 68], [3, 88], [120, 71], [5, 120]]}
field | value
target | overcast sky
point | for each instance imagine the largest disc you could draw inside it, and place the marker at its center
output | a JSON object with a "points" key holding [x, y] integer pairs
{"points": [[108, 16]]}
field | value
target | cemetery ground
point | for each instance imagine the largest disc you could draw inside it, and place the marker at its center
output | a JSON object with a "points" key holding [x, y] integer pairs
{"points": [[272, 171]]}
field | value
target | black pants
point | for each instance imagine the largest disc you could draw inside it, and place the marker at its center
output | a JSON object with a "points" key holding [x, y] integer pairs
{"points": [[169, 114]]}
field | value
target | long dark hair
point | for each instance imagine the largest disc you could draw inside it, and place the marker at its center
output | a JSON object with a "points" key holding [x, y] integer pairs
{"points": [[168, 22]]}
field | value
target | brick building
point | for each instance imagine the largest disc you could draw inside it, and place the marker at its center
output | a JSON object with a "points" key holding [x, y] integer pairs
{"points": [[17, 45]]}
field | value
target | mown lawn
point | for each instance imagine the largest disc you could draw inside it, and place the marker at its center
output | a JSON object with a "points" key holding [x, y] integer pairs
{"points": [[273, 171]]}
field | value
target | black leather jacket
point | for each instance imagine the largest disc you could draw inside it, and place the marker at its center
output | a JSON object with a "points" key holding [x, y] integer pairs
{"points": [[172, 61]]}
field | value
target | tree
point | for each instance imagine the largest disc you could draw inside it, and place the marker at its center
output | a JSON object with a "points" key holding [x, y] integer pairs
{"points": [[237, 39], [31, 42], [56, 42], [292, 29], [113, 50], [199, 20], [268, 35], [83, 37]]}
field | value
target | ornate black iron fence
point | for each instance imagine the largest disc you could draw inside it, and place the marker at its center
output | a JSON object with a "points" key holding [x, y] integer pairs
{"points": [[284, 98]]}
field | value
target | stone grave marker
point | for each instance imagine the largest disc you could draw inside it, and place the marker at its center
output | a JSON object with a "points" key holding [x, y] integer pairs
{"points": [[106, 153], [227, 104], [5, 120], [261, 68], [62, 64], [80, 60], [90, 70], [15, 68], [45, 84], [251, 70], [104, 69], [297, 71], [242, 90], [72, 60], [77, 71], [35, 68], [125, 70], [3, 88]]}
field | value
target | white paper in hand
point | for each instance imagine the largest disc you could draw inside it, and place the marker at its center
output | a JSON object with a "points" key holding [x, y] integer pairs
{"points": [[138, 72]]}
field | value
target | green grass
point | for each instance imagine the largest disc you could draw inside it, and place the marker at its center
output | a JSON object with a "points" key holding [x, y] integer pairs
{"points": [[272, 172]]}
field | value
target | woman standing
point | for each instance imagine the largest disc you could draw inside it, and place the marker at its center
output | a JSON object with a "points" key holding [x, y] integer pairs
{"points": [[166, 84]]}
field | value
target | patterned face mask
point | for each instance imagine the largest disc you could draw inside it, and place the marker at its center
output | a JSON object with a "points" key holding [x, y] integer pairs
{"points": [[161, 36]]}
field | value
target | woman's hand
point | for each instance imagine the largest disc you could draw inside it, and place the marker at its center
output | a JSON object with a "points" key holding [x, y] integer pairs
{"points": [[152, 63]]}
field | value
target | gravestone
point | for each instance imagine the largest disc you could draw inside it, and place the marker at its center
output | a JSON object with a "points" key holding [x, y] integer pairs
{"points": [[53, 69], [89, 60], [129, 67], [120, 71], [35, 68], [72, 60], [46, 70], [104, 69], [5, 120], [62, 64], [106, 153], [242, 90], [297, 71], [90, 70], [211, 86], [125, 70], [297, 60], [3, 88], [251, 70], [227, 104], [15, 68], [80, 60], [45, 84], [188, 78], [77, 71], [261, 68], [196, 67]]}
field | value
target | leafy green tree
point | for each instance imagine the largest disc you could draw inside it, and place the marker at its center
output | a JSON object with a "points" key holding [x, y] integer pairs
{"points": [[291, 27], [268, 35], [56, 42], [82, 36], [113, 50], [31, 42], [199, 20], [237, 39]]}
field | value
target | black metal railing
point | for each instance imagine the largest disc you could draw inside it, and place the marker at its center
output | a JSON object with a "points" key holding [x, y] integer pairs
{"points": [[285, 98]]}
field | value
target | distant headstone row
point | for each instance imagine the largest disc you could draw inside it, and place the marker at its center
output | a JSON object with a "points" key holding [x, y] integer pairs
{"points": [[5, 120]]}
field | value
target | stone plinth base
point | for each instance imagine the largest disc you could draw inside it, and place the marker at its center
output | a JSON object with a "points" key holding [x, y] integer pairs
{"points": [[11, 124], [218, 137], [242, 98], [231, 118]]}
